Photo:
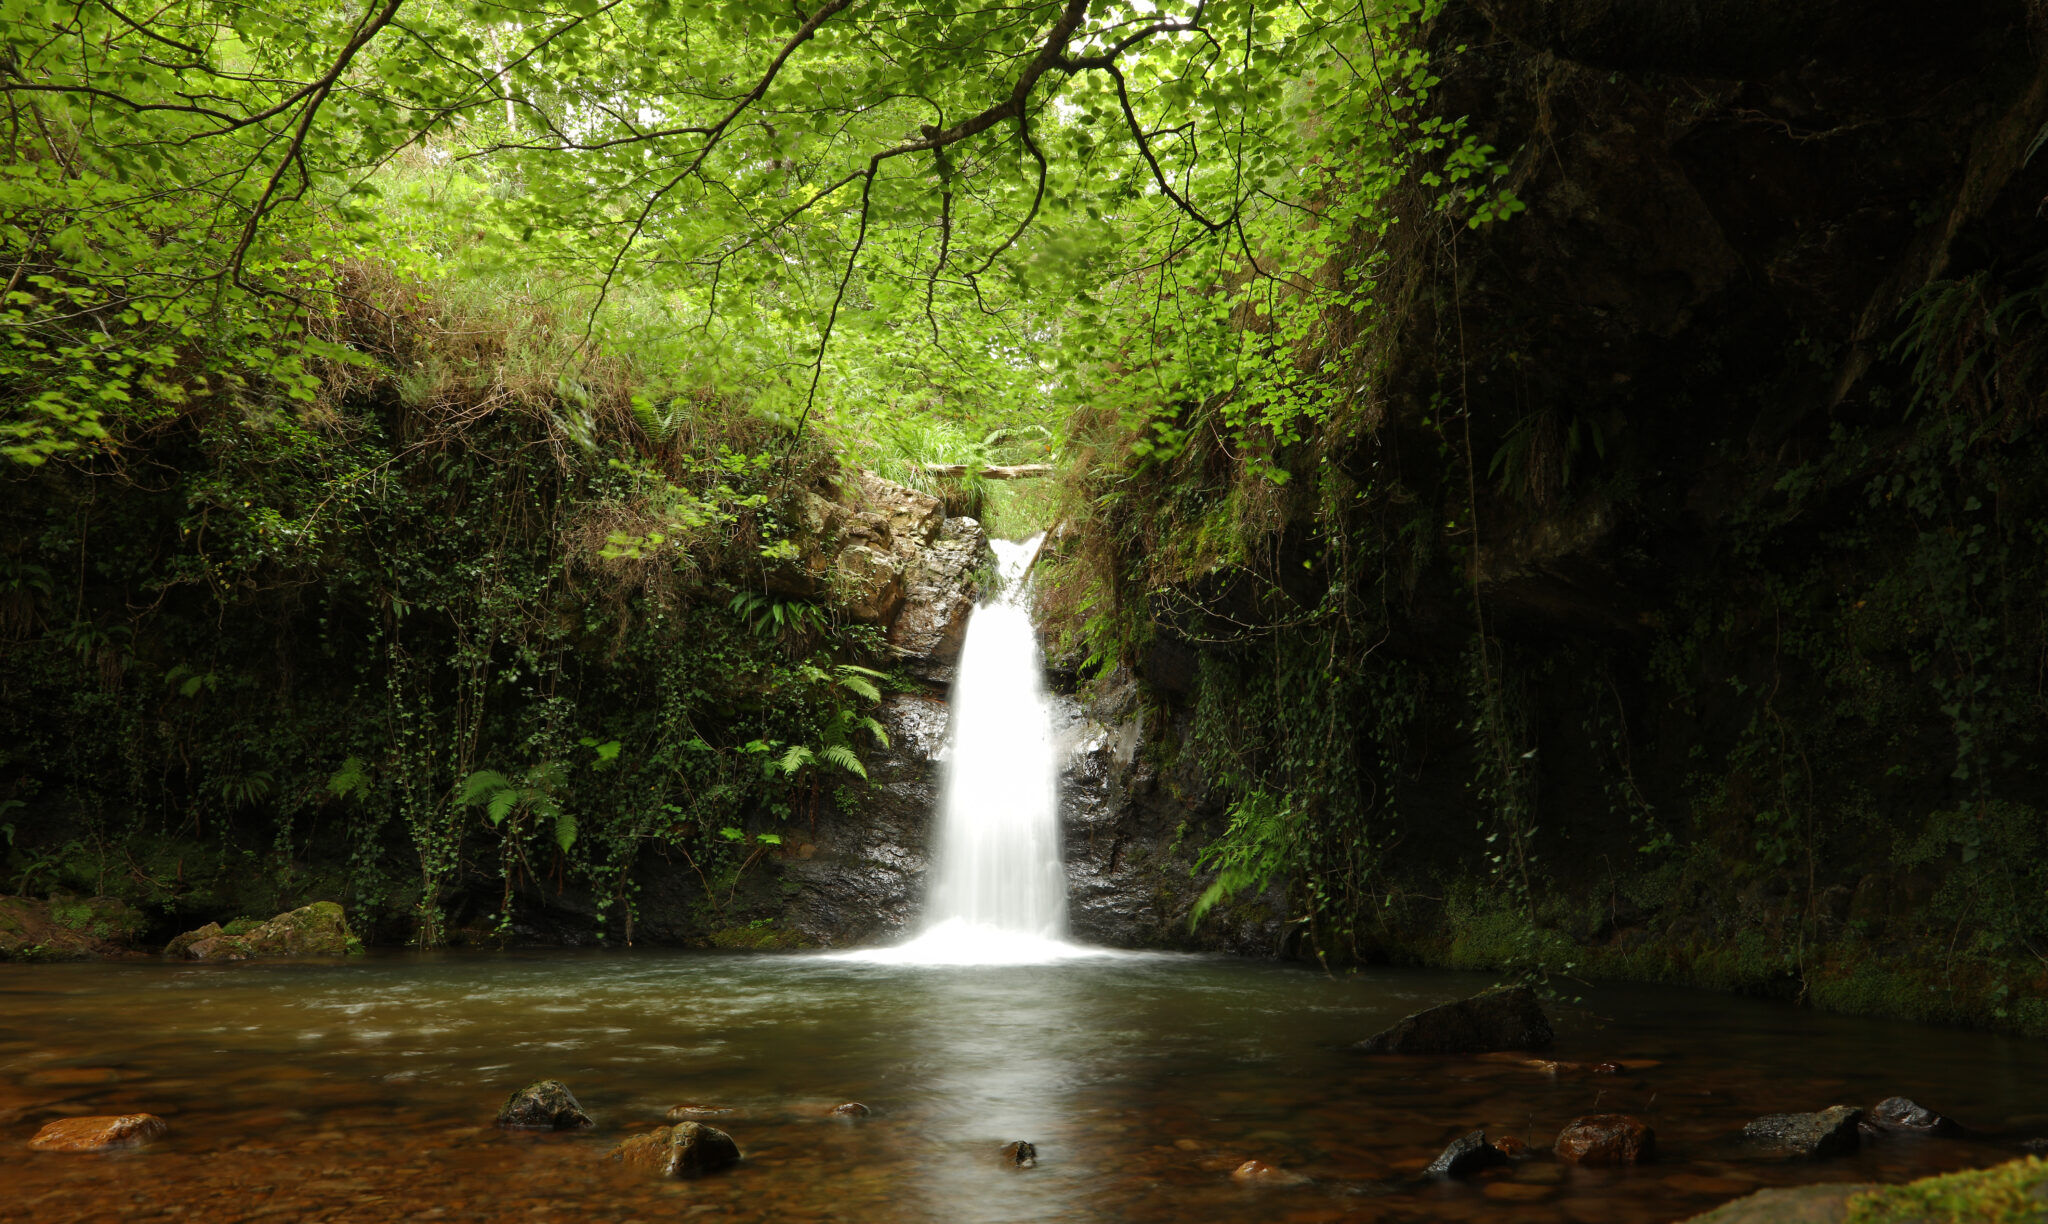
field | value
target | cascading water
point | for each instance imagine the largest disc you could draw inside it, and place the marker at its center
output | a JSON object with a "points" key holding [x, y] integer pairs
{"points": [[999, 892]]}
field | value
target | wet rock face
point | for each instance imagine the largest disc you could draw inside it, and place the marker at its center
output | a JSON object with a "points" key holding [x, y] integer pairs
{"points": [[1130, 838], [1466, 1155], [319, 929], [1814, 1136], [1606, 1139], [687, 1149], [98, 1134], [1503, 1019], [864, 881], [938, 595], [543, 1105]]}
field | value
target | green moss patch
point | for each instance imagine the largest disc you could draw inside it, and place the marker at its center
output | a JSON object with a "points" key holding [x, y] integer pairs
{"points": [[2015, 1193]]}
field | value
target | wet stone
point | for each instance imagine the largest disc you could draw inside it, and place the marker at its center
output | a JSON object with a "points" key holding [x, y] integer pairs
{"points": [[1510, 1018], [1023, 1154], [686, 1149], [1466, 1155], [1815, 1136], [543, 1105], [98, 1134], [1258, 1172], [1606, 1139], [688, 1110], [852, 1109], [1897, 1115]]}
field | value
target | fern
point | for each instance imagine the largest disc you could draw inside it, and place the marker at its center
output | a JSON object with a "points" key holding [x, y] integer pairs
{"points": [[565, 829], [351, 781], [842, 756]]}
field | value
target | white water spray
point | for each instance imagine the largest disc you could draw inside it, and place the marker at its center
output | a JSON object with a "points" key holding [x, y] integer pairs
{"points": [[999, 891]]}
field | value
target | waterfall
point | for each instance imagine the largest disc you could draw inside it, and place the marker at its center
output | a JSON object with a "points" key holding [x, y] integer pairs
{"points": [[998, 892]]}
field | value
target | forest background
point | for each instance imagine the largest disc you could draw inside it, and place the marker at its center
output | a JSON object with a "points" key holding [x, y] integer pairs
{"points": [[1566, 487]]}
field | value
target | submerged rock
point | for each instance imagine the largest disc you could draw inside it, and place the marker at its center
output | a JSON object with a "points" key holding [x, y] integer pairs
{"points": [[1467, 1154], [1258, 1172], [852, 1109], [1022, 1154], [1505, 1018], [98, 1134], [683, 1150], [543, 1105], [684, 1112], [1897, 1115], [1815, 1136], [1606, 1139], [319, 929]]}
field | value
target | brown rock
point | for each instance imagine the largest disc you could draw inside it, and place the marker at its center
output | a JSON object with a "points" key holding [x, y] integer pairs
{"points": [[98, 1134], [1606, 1139], [1260, 1173], [1023, 1154], [852, 1109], [683, 1150], [1508, 1145]]}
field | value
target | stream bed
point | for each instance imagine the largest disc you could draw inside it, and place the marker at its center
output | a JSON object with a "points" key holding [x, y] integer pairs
{"points": [[365, 1091]]}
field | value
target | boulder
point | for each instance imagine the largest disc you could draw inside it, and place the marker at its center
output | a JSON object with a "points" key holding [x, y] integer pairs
{"points": [[543, 1105], [1899, 1116], [1023, 1154], [1814, 1136], [1606, 1139], [1467, 1154], [686, 1149], [98, 1134], [1504, 1018], [319, 929]]}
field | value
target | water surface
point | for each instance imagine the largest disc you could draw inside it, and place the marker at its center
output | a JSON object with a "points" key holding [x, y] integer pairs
{"points": [[365, 1091]]}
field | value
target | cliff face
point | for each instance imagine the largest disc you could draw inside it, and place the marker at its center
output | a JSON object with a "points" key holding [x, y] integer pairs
{"points": [[1692, 557]]}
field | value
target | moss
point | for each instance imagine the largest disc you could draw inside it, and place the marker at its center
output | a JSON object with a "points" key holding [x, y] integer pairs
{"points": [[2014, 1193], [758, 936]]}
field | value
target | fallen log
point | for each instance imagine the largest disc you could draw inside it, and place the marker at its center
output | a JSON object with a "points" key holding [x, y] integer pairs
{"points": [[1019, 471]]}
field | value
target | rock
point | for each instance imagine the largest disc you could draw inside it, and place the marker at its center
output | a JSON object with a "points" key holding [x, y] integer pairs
{"points": [[1606, 1139], [1815, 1136], [1022, 1154], [1466, 1155], [98, 1134], [1607, 1068], [1511, 1147], [1899, 1116], [852, 1109], [910, 516], [1505, 1018], [680, 1113], [319, 929], [686, 1149], [1260, 1173], [938, 594], [543, 1105], [1823, 1204]]}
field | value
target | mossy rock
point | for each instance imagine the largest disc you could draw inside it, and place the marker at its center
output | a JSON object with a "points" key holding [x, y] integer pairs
{"points": [[319, 929]]}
